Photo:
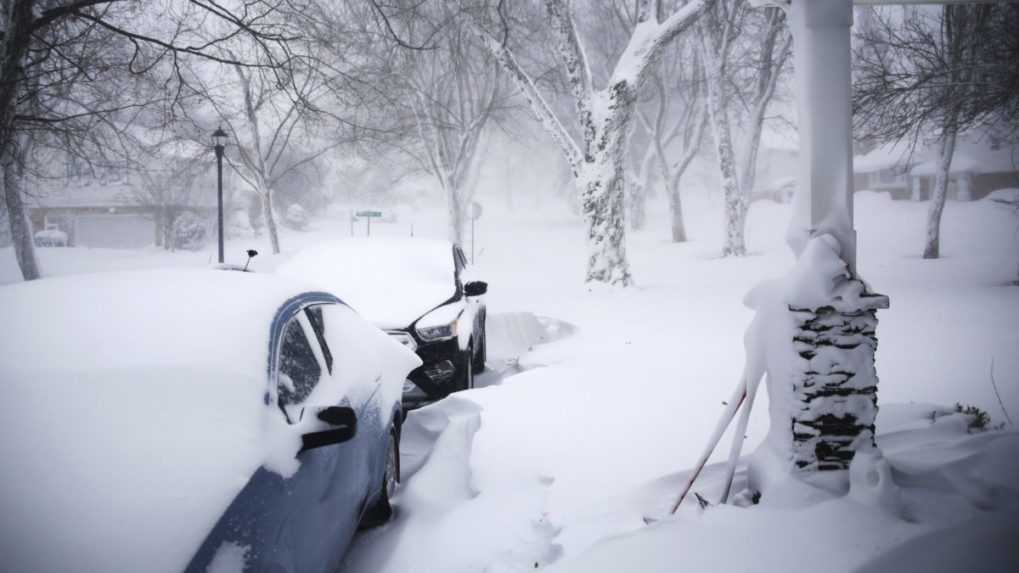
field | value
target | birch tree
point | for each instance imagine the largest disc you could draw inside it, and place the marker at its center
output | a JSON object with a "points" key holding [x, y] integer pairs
{"points": [[740, 64], [716, 32], [603, 115]]}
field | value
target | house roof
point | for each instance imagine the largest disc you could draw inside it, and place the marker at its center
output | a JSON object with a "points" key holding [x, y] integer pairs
{"points": [[972, 155], [92, 193], [73, 193], [886, 156]]}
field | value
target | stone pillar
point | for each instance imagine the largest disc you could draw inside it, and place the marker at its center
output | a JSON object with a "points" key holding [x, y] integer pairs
{"points": [[833, 388], [834, 381]]}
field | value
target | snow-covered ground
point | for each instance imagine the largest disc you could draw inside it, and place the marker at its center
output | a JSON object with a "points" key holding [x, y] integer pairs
{"points": [[592, 413]]}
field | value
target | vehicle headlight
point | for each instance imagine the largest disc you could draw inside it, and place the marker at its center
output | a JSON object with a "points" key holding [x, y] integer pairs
{"points": [[442, 332], [403, 338]]}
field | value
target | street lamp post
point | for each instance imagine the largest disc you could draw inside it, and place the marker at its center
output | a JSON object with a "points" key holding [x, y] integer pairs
{"points": [[219, 144]]}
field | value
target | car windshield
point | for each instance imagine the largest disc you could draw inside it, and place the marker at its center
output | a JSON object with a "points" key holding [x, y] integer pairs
{"points": [[391, 282]]}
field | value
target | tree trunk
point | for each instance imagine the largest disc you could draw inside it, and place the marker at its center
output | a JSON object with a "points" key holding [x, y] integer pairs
{"points": [[602, 203], [270, 220], [637, 200], [676, 213], [602, 182], [639, 186], [456, 215], [735, 202], [748, 168], [18, 21], [21, 228], [932, 249]]}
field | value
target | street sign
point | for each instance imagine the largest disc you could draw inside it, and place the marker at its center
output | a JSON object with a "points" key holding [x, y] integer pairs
{"points": [[367, 216]]}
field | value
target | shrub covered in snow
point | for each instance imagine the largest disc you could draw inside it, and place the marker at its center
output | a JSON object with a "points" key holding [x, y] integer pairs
{"points": [[189, 232], [51, 238], [297, 217]]}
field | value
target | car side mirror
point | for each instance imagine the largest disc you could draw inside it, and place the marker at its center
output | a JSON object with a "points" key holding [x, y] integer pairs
{"points": [[343, 420], [475, 288]]}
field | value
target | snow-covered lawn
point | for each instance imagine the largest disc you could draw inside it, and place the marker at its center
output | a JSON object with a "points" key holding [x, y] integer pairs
{"points": [[576, 437]]}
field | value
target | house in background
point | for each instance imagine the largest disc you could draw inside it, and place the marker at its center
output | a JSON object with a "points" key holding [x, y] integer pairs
{"points": [[103, 213], [978, 168]]}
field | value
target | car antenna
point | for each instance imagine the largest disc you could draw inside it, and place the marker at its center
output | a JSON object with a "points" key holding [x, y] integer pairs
{"points": [[252, 253]]}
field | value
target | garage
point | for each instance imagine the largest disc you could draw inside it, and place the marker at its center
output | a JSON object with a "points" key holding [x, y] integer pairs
{"points": [[117, 231]]}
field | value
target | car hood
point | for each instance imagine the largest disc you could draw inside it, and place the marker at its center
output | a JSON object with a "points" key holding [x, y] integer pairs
{"points": [[122, 470], [390, 282], [397, 307]]}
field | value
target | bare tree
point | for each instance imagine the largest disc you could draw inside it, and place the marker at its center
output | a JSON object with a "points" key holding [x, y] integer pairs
{"points": [[937, 74], [676, 137], [716, 33], [604, 117], [771, 44], [455, 89], [742, 62]]}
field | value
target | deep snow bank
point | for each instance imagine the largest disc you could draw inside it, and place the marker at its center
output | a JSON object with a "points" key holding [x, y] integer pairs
{"points": [[951, 504], [443, 523]]}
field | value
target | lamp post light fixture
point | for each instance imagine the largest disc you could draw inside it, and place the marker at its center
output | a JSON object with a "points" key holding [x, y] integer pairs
{"points": [[219, 144]]}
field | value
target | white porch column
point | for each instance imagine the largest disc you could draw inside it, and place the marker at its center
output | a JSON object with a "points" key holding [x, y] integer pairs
{"points": [[821, 51], [914, 188]]}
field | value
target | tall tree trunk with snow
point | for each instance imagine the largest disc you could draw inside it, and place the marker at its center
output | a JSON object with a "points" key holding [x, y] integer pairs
{"points": [[21, 229], [255, 160], [932, 246], [715, 40], [16, 38], [676, 225], [958, 24], [270, 220], [638, 186], [604, 120], [602, 181], [455, 206], [773, 54], [735, 203]]}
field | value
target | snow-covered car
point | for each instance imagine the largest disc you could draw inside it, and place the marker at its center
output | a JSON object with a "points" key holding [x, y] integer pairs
{"points": [[51, 237], [420, 291], [191, 420]]}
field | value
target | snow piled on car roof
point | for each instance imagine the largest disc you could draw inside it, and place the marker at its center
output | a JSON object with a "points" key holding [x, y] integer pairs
{"points": [[132, 414], [389, 281], [95, 321]]}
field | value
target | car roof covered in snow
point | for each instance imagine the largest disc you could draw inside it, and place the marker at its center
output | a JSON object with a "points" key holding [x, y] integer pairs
{"points": [[132, 413], [389, 281], [195, 318]]}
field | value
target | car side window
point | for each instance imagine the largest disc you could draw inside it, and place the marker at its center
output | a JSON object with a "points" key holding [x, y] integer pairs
{"points": [[319, 326], [299, 370]]}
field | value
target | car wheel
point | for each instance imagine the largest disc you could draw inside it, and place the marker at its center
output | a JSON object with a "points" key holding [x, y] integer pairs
{"points": [[381, 510], [467, 382], [481, 355]]}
